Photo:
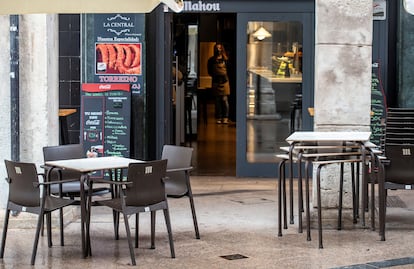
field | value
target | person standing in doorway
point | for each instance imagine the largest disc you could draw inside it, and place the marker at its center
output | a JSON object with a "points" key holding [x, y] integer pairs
{"points": [[217, 69]]}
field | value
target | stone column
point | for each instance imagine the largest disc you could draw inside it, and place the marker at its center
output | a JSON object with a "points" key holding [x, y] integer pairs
{"points": [[343, 53], [39, 84], [5, 149]]}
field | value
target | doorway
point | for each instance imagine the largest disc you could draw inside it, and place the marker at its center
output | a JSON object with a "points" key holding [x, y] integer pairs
{"points": [[214, 144]]}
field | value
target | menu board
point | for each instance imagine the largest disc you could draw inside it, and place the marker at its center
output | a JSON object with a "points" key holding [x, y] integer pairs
{"points": [[106, 119], [113, 52], [378, 106]]}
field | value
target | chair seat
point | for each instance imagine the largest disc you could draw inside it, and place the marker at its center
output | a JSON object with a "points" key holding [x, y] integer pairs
{"points": [[176, 189], [53, 203], [115, 203], [73, 189]]}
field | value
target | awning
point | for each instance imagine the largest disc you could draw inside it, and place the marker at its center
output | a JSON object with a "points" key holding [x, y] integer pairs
{"points": [[84, 6]]}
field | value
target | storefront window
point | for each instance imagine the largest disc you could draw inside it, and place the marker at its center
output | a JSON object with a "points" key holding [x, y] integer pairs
{"points": [[274, 86], [405, 55]]}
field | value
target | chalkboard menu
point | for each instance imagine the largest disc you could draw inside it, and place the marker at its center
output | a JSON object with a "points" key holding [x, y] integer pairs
{"points": [[106, 119], [378, 106]]}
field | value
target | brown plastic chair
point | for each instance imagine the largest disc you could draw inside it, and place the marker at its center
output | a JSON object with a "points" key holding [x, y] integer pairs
{"points": [[25, 195], [67, 152], [144, 191], [396, 173], [177, 183], [396, 166], [69, 189]]}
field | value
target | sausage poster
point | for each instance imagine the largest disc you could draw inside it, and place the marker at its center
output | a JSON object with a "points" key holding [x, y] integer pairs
{"points": [[114, 49]]}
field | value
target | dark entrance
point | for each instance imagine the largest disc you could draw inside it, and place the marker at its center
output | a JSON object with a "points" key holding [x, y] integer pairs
{"points": [[194, 36]]}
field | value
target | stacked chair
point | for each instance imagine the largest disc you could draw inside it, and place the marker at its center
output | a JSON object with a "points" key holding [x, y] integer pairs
{"points": [[320, 155], [397, 166]]}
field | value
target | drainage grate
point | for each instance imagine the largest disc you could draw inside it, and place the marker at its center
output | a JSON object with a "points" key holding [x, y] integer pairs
{"points": [[234, 257]]}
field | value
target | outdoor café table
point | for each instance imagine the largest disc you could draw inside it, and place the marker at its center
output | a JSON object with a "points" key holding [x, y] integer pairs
{"points": [[86, 166], [309, 139]]}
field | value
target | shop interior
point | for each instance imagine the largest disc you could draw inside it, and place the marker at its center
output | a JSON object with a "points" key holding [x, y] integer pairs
{"points": [[194, 36], [274, 88]]}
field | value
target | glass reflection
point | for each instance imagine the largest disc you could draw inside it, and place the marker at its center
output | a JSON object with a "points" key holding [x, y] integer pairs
{"points": [[274, 86]]}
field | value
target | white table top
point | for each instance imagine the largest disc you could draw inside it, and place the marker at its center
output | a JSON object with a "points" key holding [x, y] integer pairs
{"points": [[86, 165], [309, 136]]}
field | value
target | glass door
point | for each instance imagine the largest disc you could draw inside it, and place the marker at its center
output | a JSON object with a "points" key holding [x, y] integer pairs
{"points": [[275, 86]]}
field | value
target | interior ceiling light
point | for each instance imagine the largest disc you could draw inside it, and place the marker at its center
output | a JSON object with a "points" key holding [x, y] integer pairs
{"points": [[261, 33], [174, 5], [409, 6]]}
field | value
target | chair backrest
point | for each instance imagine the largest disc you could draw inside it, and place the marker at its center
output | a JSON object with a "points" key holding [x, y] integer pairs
{"points": [[64, 152], [147, 183], [177, 156], [21, 177], [400, 170]]}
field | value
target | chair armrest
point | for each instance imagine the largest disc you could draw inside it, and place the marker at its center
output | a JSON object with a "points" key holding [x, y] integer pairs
{"points": [[47, 167], [180, 169], [385, 161], [165, 178], [47, 183]]}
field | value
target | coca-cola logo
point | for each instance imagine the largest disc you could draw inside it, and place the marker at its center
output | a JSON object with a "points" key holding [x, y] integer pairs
{"points": [[105, 87]]}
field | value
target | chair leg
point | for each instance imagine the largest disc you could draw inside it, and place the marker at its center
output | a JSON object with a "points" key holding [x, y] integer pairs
{"points": [[318, 193], [300, 196], [281, 176], [341, 189], [357, 190], [5, 226], [284, 197], [354, 198], [49, 229], [115, 193], [382, 201], [116, 224], [291, 193], [170, 237], [373, 205], [364, 191], [62, 239], [308, 237], [153, 229], [128, 232], [36, 241], [136, 229], [190, 196]]}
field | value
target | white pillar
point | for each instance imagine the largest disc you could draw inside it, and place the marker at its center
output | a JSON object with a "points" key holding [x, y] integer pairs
{"points": [[343, 56], [39, 88], [5, 148], [39, 85]]}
